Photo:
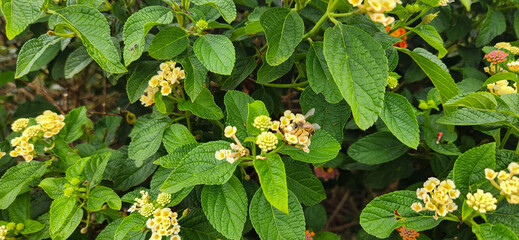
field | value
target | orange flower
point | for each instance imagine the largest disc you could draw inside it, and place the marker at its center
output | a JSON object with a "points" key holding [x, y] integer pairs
{"points": [[408, 234], [330, 173], [397, 33], [309, 235]]}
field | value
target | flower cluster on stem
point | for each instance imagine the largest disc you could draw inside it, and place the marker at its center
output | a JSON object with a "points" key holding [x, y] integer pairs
{"points": [[437, 196], [507, 183], [166, 79], [3, 232], [501, 87], [481, 201], [376, 9], [407, 233], [237, 149], [296, 131]]}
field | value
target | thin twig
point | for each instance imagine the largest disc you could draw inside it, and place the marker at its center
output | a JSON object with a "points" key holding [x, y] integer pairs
{"points": [[337, 209], [45, 94]]}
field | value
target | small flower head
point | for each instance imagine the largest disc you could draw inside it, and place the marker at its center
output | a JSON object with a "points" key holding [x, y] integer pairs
{"points": [[444, 3], [481, 201], [147, 209], [513, 66], [392, 82], [32, 131], [221, 154], [496, 56], [267, 141], [51, 123], [164, 198], [230, 131], [417, 207], [262, 122], [308, 234], [437, 196], [490, 174], [20, 124], [407, 233], [3, 232]]}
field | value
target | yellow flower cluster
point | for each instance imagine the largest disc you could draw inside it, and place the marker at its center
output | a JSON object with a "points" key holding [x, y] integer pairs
{"points": [[507, 183], [376, 9], [444, 3], [164, 81], [164, 223], [500, 88], [3, 232], [262, 122], [437, 196], [143, 205], [513, 66], [295, 129], [239, 149], [481, 201], [507, 46], [47, 125], [163, 199], [267, 141]]}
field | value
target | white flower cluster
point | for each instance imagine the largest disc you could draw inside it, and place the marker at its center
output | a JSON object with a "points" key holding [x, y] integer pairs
{"points": [[238, 150], [437, 196], [507, 183]]}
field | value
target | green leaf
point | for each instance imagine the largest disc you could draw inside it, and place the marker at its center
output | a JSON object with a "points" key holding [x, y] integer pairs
{"points": [[20, 210], [138, 25], [376, 148], [358, 65], [441, 79], [65, 217], [330, 117], [19, 14], [516, 22], [477, 100], [469, 169], [16, 179], [302, 181], [95, 168], [196, 226], [175, 136], [66, 155], [196, 74], [399, 117], [134, 222], [493, 26], [323, 148], [163, 104], [77, 61], [429, 34], [284, 30], [126, 174], [319, 76], [512, 101], [236, 108], [36, 53], [203, 106], [268, 73], [243, 67], [495, 232], [273, 180], [272, 224], [469, 116], [378, 217], [226, 207], [109, 232], [101, 195], [147, 141], [506, 214], [168, 43], [32, 226], [94, 33], [255, 109], [226, 8], [75, 120], [467, 4], [216, 52], [53, 186], [138, 80], [174, 159], [200, 166]]}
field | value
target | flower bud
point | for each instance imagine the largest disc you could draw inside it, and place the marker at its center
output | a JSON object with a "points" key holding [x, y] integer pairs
{"points": [[75, 181], [201, 25], [10, 226], [20, 226], [68, 192], [428, 19], [423, 105]]}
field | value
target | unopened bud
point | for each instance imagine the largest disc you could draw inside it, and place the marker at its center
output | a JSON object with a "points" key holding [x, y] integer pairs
{"points": [[68, 192], [82, 189], [246, 177], [201, 25], [186, 212], [20, 226], [412, 8], [75, 181], [423, 105], [84, 230], [10, 226], [431, 103], [428, 19]]}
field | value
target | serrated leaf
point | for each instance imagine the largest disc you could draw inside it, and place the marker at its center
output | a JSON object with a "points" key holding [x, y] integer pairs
{"points": [[16, 178], [319, 76], [243, 67], [268, 73], [429, 34], [376, 148], [200, 166], [147, 141], [236, 109], [125, 174], [196, 226], [226, 207], [495, 232], [53, 186], [378, 217], [196, 74], [284, 30], [470, 116], [255, 109], [36, 53], [506, 214], [19, 14], [469, 169], [302, 181], [20, 210], [273, 180], [175, 136], [331, 117], [138, 80], [399, 117], [94, 33], [203, 106], [272, 224], [174, 159], [75, 120], [441, 79], [358, 65], [323, 147], [138, 25], [65, 216], [109, 232], [216, 52], [493, 26], [101, 195], [133, 222], [226, 8], [168, 43], [32, 226], [477, 100], [77, 61]]}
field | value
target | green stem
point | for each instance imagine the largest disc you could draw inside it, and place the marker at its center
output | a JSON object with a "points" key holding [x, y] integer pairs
{"points": [[188, 120], [332, 5], [505, 138], [287, 85]]}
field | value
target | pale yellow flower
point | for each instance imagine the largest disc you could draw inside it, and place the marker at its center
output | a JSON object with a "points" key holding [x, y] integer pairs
{"points": [[20, 124], [481, 201]]}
